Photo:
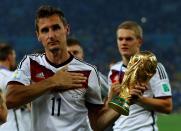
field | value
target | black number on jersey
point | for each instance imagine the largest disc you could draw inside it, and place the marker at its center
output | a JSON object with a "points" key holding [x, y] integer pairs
{"points": [[56, 102]]}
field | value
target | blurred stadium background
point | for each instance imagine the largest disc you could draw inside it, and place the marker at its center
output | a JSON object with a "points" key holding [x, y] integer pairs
{"points": [[94, 23]]}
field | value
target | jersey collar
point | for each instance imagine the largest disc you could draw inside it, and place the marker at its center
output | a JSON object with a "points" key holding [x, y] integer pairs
{"points": [[62, 64]]}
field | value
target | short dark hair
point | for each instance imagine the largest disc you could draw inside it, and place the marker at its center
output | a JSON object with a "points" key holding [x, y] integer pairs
{"points": [[72, 42], [45, 11], [5, 50]]}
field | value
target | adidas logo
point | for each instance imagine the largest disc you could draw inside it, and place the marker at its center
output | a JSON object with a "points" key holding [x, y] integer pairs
{"points": [[40, 75]]}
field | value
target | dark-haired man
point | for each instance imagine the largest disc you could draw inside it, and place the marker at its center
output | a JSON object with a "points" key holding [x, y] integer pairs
{"points": [[63, 90]]}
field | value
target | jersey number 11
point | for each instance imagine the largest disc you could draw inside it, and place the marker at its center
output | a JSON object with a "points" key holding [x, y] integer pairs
{"points": [[56, 102]]}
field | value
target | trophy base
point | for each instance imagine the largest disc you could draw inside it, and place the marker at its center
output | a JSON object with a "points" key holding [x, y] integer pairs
{"points": [[120, 105]]}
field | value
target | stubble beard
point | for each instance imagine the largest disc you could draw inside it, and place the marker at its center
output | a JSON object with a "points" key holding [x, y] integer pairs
{"points": [[55, 51]]}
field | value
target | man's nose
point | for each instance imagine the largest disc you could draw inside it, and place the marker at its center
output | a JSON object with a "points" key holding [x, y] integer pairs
{"points": [[123, 41], [51, 34]]}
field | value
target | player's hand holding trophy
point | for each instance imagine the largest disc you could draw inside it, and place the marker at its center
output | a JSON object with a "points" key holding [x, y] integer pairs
{"points": [[140, 69]]}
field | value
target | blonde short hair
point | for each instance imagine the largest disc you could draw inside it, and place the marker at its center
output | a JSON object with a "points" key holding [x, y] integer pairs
{"points": [[131, 25]]}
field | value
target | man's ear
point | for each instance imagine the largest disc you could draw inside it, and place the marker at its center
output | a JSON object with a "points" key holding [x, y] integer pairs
{"points": [[8, 57], [37, 34], [68, 29], [140, 42]]}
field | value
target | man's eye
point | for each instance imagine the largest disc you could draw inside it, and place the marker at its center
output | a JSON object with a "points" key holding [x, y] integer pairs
{"points": [[128, 38], [120, 39], [56, 27], [44, 30]]}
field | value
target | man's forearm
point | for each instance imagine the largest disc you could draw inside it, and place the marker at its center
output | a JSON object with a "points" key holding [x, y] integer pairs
{"points": [[163, 105], [101, 117], [18, 95], [107, 118]]}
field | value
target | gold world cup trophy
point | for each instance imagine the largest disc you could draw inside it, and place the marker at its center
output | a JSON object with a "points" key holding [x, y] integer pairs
{"points": [[140, 69]]}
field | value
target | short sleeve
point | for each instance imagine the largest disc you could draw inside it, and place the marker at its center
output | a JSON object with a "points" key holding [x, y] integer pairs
{"points": [[159, 83], [5, 76], [22, 73], [93, 94]]}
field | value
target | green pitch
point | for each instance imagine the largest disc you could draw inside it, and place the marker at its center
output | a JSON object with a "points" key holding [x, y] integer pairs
{"points": [[170, 122]]}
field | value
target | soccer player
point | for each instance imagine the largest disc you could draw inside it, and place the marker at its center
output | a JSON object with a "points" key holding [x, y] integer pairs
{"points": [[75, 48], [157, 98], [8, 61], [63, 89]]}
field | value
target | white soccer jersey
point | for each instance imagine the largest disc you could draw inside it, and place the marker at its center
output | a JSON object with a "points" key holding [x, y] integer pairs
{"points": [[65, 110], [140, 119], [14, 122]]}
